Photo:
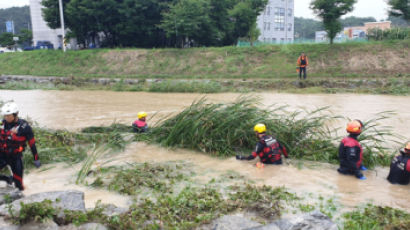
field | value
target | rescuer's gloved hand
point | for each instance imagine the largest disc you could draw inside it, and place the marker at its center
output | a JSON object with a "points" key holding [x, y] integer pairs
{"points": [[362, 178], [363, 168], [37, 163]]}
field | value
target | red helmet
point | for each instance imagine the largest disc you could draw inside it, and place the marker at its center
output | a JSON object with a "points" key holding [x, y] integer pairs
{"points": [[354, 127]]}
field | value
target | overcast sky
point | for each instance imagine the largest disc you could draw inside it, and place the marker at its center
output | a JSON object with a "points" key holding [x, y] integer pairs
{"points": [[364, 8]]}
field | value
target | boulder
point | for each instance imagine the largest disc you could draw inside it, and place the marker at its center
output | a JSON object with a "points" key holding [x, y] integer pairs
{"points": [[88, 226], [112, 210], [9, 192], [311, 221], [48, 225], [67, 200], [231, 222]]}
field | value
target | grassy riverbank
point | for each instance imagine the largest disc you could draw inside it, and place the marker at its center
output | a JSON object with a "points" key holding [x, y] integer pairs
{"points": [[353, 60], [389, 86]]}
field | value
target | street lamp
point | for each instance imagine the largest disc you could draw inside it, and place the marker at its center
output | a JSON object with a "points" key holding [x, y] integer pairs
{"points": [[62, 23]]}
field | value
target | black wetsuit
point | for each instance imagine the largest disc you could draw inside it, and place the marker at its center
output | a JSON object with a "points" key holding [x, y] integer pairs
{"points": [[13, 138], [350, 156], [400, 169], [269, 150]]}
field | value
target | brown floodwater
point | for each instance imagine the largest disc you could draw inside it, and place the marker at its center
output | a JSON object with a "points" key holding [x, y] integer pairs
{"points": [[77, 109]]}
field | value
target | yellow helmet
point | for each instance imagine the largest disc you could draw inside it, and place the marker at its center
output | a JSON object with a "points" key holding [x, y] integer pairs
{"points": [[259, 128], [142, 115], [407, 146]]}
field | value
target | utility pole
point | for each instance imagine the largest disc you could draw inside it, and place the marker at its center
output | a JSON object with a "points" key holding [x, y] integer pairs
{"points": [[62, 23]]}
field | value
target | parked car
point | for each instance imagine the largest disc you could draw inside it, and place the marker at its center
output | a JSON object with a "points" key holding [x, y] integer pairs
{"points": [[41, 45]]}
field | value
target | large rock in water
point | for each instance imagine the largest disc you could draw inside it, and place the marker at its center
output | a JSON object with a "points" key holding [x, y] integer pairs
{"points": [[311, 221], [68, 200], [11, 192]]}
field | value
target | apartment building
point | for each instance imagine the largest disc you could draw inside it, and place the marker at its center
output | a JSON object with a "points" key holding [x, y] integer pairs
{"points": [[276, 23]]}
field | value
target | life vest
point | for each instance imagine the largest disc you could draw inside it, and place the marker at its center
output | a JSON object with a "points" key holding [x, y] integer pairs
{"points": [[350, 142], [400, 170], [302, 61], [272, 150], [140, 124], [11, 143]]}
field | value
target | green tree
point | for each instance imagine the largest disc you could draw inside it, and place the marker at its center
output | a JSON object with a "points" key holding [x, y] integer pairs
{"points": [[188, 21], [305, 28], [156, 23], [356, 21], [19, 15], [25, 37], [398, 21], [330, 12], [252, 35], [244, 16], [400, 8], [6, 39]]}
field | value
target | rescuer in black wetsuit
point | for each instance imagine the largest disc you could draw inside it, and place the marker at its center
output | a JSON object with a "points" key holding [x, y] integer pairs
{"points": [[351, 152], [268, 149], [400, 167], [14, 133]]}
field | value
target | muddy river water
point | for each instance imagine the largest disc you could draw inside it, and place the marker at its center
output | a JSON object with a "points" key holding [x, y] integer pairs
{"points": [[77, 109]]}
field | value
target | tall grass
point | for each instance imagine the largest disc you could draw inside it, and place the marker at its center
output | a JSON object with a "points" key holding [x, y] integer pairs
{"points": [[377, 140], [227, 129], [222, 129]]}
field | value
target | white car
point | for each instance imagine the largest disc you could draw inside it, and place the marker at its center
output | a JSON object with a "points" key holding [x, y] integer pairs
{"points": [[7, 50]]}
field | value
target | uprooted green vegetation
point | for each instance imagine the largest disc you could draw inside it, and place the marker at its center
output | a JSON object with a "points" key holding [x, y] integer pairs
{"points": [[189, 208], [387, 58], [132, 179], [377, 218], [226, 129], [69, 147]]}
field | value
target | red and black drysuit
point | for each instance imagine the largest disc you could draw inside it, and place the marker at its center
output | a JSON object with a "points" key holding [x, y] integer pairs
{"points": [[140, 126], [400, 169], [13, 138], [269, 150], [350, 156]]}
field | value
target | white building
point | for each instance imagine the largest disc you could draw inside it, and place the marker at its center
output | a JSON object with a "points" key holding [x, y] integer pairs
{"points": [[276, 23], [41, 32]]}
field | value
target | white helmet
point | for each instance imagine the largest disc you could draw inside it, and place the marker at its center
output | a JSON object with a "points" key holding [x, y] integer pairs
{"points": [[9, 108]]}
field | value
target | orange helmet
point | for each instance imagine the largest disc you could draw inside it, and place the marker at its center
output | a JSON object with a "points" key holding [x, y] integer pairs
{"points": [[354, 127]]}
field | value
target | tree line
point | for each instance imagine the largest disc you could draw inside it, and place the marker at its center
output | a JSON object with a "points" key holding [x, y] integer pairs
{"points": [[330, 11], [156, 23]]}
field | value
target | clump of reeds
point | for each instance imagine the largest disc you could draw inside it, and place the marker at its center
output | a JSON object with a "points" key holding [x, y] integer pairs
{"points": [[224, 129]]}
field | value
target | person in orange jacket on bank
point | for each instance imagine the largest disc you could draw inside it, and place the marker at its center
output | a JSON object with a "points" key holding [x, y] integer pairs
{"points": [[303, 62]]}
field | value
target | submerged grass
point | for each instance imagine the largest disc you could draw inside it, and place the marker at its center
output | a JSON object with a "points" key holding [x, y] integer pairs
{"points": [[377, 218], [132, 179], [188, 209]]}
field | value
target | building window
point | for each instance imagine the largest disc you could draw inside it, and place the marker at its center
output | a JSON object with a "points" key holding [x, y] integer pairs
{"points": [[290, 12], [279, 11], [279, 23], [268, 10], [273, 40], [289, 26]]}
